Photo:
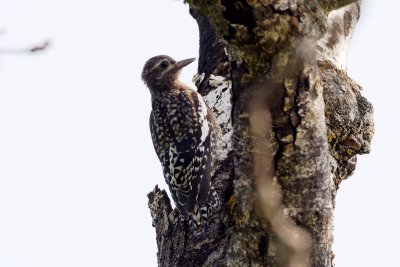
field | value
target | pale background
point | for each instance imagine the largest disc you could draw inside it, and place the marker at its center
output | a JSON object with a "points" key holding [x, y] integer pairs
{"points": [[76, 159]]}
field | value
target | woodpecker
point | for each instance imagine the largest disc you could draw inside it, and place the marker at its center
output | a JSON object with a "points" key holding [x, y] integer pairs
{"points": [[186, 138]]}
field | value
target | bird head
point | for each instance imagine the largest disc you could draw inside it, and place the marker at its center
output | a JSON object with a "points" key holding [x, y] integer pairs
{"points": [[162, 72]]}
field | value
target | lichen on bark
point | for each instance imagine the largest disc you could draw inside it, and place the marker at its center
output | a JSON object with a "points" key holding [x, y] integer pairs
{"points": [[349, 118]]}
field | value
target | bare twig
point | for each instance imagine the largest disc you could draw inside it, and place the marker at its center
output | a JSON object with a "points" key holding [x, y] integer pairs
{"points": [[33, 49], [40, 47]]}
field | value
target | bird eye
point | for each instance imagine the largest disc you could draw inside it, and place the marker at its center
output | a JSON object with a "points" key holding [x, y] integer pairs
{"points": [[164, 64]]}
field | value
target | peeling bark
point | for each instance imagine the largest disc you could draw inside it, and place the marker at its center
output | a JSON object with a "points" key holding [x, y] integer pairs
{"points": [[293, 123]]}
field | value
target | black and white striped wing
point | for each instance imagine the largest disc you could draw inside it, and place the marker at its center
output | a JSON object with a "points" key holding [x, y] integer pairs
{"points": [[189, 159]]}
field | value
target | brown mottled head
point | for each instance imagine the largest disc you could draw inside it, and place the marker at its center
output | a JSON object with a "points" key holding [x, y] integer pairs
{"points": [[161, 72]]}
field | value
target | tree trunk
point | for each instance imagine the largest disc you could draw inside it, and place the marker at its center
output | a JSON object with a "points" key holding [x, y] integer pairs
{"points": [[293, 122]]}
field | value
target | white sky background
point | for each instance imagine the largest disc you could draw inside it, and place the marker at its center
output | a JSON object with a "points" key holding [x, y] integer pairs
{"points": [[76, 159]]}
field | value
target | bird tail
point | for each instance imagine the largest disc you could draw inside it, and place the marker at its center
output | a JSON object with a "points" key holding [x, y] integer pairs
{"points": [[213, 199], [212, 203], [200, 218]]}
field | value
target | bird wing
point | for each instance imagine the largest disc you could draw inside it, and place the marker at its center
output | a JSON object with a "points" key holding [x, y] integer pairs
{"points": [[189, 155], [158, 135]]}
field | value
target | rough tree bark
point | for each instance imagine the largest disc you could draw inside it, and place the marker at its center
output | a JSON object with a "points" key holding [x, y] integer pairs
{"points": [[274, 73]]}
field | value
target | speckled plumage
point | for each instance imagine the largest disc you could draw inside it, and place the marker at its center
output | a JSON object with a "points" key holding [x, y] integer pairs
{"points": [[186, 138]]}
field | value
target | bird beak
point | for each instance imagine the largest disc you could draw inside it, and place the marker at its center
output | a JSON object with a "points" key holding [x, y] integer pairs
{"points": [[184, 63]]}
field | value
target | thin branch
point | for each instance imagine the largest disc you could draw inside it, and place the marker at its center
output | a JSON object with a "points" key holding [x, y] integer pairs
{"points": [[17, 51]]}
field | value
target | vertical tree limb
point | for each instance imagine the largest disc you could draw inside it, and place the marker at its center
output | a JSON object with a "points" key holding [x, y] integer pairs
{"points": [[274, 72]]}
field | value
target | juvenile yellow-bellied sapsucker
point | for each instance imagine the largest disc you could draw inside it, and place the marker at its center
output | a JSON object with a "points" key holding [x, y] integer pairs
{"points": [[186, 138]]}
